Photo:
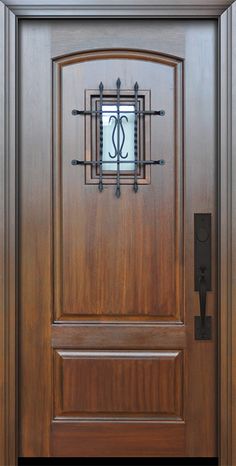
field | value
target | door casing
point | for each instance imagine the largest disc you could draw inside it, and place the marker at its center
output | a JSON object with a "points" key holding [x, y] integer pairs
{"points": [[10, 12]]}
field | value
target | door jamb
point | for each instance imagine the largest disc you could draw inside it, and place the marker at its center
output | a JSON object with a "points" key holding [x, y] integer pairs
{"points": [[10, 12]]}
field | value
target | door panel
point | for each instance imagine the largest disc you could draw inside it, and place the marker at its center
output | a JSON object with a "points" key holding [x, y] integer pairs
{"points": [[132, 385], [118, 439], [108, 361], [111, 251]]}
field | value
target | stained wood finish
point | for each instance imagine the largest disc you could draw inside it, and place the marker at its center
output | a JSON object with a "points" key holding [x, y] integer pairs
{"points": [[137, 384], [35, 237], [59, 240], [110, 251], [3, 352], [118, 439], [227, 238], [128, 336], [8, 239], [226, 227]]}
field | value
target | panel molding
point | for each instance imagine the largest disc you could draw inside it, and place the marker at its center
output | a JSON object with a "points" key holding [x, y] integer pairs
{"points": [[8, 207], [92, 143], [227, 237], [8, 238], [60, 312], [135, 8], [75, 397]]}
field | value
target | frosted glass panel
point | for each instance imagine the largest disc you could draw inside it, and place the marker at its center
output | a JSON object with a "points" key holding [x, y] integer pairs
{"points": [[117, 136]]}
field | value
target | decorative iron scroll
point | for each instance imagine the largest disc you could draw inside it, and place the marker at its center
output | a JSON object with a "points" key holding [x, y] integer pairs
{"points": [[118, 137]]}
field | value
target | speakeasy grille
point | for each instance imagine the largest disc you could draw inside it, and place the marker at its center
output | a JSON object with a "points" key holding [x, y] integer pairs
{"points": [[123, 121]]}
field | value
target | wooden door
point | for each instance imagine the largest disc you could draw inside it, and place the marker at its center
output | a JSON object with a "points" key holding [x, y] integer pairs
{"points": [[109, 364]]}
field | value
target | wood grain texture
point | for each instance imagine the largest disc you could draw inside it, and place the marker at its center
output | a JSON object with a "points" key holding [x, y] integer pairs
{"points": [[201, 176], [232, 50], [35, 244], [118, 439], [118, 336], [118, 384], [225, 251], [227, 235], [8, 240], [200, 362], [227, 350], [114, 253], [3, 352]]}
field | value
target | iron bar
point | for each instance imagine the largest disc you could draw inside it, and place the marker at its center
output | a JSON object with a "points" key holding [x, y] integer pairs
{"points": [[100, 186], [138, 162], [118, 137], [135, 136], [118, 84], [138, 112]]}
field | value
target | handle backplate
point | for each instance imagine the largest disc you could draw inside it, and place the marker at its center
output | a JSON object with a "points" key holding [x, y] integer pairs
{"points": [[202, 272]]}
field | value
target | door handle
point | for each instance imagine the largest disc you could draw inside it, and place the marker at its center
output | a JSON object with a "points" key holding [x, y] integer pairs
{"points": [[202, 296], [202, 265]]}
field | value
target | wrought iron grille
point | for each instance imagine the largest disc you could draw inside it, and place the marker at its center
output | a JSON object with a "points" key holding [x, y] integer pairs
{"points": [[118, 157]]}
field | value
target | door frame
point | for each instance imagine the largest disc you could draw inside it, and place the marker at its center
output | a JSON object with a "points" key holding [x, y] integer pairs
{"points": [[10, 13]]}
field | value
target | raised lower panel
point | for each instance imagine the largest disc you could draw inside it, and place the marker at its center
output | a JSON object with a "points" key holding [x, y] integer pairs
{"points": [[118, 439], [113, 384]]}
